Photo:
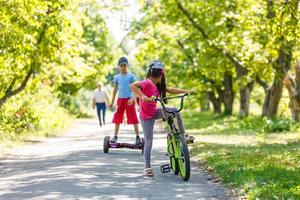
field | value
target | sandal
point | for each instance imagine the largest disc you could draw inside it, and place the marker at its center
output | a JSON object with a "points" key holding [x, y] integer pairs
{"points": [[149, 172], [189, 138]]}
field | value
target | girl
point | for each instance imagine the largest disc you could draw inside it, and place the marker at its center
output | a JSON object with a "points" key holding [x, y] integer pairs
{"points": [[153, 85]]}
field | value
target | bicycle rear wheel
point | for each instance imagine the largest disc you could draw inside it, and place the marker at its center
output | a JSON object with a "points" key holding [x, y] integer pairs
{"points": [[171, 154], [183, 158]]}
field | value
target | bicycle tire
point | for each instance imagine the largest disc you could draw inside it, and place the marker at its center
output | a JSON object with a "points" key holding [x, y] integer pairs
{"points": [[171, 154], [184, 159]]}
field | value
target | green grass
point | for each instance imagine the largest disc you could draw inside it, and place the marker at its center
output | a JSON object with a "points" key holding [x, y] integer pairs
{"points": [[209, 123], [267, 168]]}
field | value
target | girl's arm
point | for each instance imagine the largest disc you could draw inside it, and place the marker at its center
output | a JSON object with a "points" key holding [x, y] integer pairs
{"points": [[135, 87], [178, 91]]}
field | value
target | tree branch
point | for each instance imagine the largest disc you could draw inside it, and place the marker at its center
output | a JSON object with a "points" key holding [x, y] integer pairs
{"points": [[265, 85], [190, 58], [240, 69]]}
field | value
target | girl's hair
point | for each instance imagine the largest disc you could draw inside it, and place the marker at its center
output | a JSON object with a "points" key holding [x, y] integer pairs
{"points": [[155, 73]]}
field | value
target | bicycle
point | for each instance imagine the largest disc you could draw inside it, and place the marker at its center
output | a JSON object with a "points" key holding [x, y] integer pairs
{"points": [[177, 148]]}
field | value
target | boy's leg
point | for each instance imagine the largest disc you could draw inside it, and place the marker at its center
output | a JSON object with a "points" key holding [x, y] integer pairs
{"points": [[118, 117], [132, 119], [147, 126], [117, 127], [136, 129], [137, 138]]}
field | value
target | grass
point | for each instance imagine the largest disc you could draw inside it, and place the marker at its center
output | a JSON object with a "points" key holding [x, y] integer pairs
{"points": [[259, 165], [220, 124]]}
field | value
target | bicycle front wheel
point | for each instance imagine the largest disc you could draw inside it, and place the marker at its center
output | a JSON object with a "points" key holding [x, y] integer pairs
{"points": [[183, 158]]}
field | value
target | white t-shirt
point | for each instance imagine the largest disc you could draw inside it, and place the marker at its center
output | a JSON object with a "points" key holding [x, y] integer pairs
{"points": [[100, 96]]}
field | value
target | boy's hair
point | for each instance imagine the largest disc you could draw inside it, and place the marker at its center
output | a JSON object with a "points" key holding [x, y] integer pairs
{"points": [[153, 72]]}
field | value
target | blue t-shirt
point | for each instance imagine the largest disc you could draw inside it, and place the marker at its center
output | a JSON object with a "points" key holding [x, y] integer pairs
{"points": [[123, 81]]}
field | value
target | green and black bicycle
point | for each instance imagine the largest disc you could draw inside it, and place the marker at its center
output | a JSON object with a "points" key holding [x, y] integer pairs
{"points": [[178, 151]]}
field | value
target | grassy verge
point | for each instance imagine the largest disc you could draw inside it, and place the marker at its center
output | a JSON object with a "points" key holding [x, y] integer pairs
{"points": [[260, 165]]}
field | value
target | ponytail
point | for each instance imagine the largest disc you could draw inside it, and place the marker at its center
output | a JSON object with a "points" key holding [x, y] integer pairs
{"points": [[163, 87]]}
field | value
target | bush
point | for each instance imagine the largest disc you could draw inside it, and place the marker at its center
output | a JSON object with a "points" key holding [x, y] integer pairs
{"points": [[31, 113], [17, 121], [278, 125]]}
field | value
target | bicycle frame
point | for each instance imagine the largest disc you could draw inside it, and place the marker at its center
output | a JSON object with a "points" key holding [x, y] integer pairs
{"points": [[170, 119], [177, 148]]}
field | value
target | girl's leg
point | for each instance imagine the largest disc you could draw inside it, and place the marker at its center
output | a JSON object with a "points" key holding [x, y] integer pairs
{"points": [[147, 126], [162, 114]]}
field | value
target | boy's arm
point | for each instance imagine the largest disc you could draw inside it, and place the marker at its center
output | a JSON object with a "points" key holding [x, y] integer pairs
{"points": [[114, 95]]}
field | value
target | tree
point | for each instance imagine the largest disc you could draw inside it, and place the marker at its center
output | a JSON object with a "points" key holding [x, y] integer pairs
{"points": [[28, 39], [63, 45], [283, 23]]}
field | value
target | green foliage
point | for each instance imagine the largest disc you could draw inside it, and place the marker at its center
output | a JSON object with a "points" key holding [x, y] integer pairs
{"points": [[77, 104], [278, 125], [21, 116], [49, 50], [15, 122], [213, 37]]}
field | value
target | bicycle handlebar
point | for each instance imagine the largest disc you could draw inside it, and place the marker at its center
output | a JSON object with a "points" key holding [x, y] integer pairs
{"points": [[161, 100]]}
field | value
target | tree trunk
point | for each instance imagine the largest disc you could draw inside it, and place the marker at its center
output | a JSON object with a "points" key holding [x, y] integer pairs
{"points": [[245, 99], [272, 98], [293, 87], [216, 102], [273, 95], [9, 92], [204, 102], [282, 66], [228, 93]]}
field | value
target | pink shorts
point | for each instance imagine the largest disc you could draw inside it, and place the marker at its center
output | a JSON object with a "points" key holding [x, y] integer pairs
{"points": [[130, 112]]}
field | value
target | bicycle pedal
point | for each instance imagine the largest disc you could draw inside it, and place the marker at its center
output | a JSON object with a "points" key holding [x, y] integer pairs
{"points": [[165, 168]]}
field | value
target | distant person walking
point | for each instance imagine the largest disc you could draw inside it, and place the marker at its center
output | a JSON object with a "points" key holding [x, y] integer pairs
{"points": [[99, 101]]}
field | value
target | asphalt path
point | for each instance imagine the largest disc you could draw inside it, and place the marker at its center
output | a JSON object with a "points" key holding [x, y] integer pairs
{"points": [[73, 166]]}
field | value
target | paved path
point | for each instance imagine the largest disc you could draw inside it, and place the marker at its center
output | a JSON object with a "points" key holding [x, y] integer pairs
{"points": [[73, 166]]}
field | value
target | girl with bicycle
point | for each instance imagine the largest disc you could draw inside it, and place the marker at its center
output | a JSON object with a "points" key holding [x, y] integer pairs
{"points": [[153, 86]]}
